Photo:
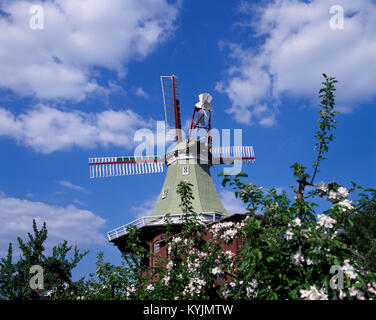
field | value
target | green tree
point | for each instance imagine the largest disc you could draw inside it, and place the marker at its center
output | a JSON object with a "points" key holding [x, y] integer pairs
{"points": [[362, 230], [15, 276], [323, 135], [126, 281]]}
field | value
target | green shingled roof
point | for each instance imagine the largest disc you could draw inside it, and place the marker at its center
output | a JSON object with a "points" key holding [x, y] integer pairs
{"points": [[205, 195]]}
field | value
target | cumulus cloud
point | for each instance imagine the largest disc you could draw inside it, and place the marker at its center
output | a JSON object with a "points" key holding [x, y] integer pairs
{"points": [[231, 203], [297, 46], [59, 60], [46, 129], [78, 227]]}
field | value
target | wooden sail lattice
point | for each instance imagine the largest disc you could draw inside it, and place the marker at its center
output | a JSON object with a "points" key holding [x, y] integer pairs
{"points": [[122, 166], [171, 103], [229, 155]]}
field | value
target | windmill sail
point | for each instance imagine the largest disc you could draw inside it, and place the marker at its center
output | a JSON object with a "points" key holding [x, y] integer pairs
{"points": [[121, 166], [230, 155], [171, 102]]}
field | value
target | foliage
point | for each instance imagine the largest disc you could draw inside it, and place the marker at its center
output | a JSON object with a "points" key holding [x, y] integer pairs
{"points": [[125, 281], [362, 229], [326, 122], [15, 276]]}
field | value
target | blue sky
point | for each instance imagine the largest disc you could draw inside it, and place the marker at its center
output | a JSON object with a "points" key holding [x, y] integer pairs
{"points": [[81, 87]]}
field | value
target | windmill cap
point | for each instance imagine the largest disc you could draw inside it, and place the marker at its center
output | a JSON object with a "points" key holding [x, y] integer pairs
{"points": [[204, 101], [194, 149]]}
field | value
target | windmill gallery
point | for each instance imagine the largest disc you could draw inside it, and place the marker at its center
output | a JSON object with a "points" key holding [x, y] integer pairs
{"points": [[190, 159]]}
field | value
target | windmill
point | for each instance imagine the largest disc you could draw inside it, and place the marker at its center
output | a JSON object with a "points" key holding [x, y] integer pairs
{"points": [[190, 160]]}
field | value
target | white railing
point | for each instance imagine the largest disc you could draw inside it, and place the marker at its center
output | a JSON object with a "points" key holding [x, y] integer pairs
{"points": [[205, 217]]}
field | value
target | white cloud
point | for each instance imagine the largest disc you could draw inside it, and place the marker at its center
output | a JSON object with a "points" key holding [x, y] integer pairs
{"points": [[47, 129], [78, 227], [78, 36], [298, 47], [145, 208], [70, 185], [231, 203], [80, 203], [141, 93]]}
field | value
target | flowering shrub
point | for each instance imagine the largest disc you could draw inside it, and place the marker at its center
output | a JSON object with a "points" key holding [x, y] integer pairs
{"points": [[288, 254], [291, 251]]}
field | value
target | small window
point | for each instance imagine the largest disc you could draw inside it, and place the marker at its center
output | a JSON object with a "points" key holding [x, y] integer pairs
{"points": [[185, 170], [157, 247], [164, 193]]}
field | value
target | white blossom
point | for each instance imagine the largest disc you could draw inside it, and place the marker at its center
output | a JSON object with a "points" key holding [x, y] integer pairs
{"points": [[229, 254], [216, 270], [225, 230], [341, 295], [131, 289], [335, 233], [349, 270], [176, 239], [289, 235], [322, 187], [332, 196], [250, 292], [342, 192], [353, 291], [360, 296], [150, 287], [195, 286], [169, 265], [296, 222], [309, 262], [202, 254], [346, 205], [297, 258], [229, 234], [370, 289], [313, 294], [326, 221], [251, 289]]}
